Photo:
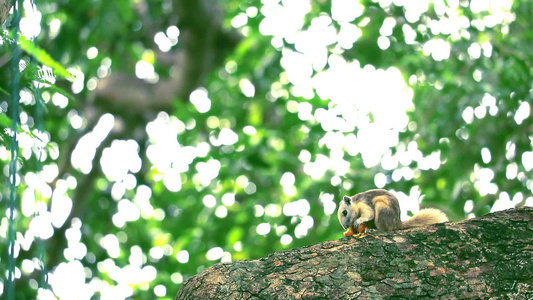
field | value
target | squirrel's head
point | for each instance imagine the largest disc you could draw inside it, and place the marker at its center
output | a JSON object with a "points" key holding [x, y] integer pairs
{"points": [[346, 213]]}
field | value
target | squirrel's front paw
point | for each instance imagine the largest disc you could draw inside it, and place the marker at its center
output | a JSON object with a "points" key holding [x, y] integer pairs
{"points": [[352, 230]]}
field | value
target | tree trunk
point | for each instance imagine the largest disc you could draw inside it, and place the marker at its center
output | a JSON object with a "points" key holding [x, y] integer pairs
{"points": [[490, 256]]}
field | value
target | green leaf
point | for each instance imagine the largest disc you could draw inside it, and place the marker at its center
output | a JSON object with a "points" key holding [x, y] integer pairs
{"points": [[43, 57], [55, 88], [4, 92], [5, 121]]}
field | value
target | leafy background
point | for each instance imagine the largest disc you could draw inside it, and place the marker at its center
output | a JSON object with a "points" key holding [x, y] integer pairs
{"points": [[194, 132]]}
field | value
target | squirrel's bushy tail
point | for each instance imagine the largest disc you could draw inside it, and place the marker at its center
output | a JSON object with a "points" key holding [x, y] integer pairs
{"points": [[425, 217]]}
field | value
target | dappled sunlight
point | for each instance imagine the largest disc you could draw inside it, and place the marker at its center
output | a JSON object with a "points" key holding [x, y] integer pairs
{"points": [[247, 88], [54, 26], [296, 103], [273, 210], [30, 24], [297, 208], [240, 20], [221, 212], [286, 239], [209, 201], [85, 150], [438, 49], [76, 250], [346, 10], [32, 197], [41, 226], [228, 199], [522, 113], [313, 43], [145, 70], [505, 201], [302, 228], [283, 21], [357, 95], [127, 212], [182, 256], [61, 202], [207, 171], [167, 40], [318, 168], [527, 160], [244, 183], [226, 137], [263, 229], [165, 153], [287, 181], [217, 253], [68, 281], [329, 203], [92, 53], [78, 83], [199, 98], [111, 244], [482, 178], [120, 159], [142, 199], [409, 203]]}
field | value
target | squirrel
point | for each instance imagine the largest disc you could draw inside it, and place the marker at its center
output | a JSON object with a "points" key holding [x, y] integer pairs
{"points": [[379, 209]]}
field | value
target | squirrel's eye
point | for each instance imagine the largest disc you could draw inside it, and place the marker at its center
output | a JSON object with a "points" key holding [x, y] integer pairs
{"points": [[344, 213]]}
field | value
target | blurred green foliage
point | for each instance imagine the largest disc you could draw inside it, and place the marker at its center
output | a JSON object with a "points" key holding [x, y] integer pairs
{"points": [[470, 100]]}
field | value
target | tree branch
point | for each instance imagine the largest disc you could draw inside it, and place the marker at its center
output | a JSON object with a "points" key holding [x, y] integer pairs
{"points": [[203, 44], [5, 7], [486, 257]]}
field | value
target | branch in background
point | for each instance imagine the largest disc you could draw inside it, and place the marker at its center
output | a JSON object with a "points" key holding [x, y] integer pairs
{"points": [[203, 45], [5, 7]]}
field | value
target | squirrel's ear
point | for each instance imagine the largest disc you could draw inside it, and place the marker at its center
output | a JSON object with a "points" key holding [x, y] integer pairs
{"points": [[347, 200]]}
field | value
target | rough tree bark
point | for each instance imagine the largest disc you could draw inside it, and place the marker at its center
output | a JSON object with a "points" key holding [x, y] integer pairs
{"points": [[486, 257], [5, 6]]}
